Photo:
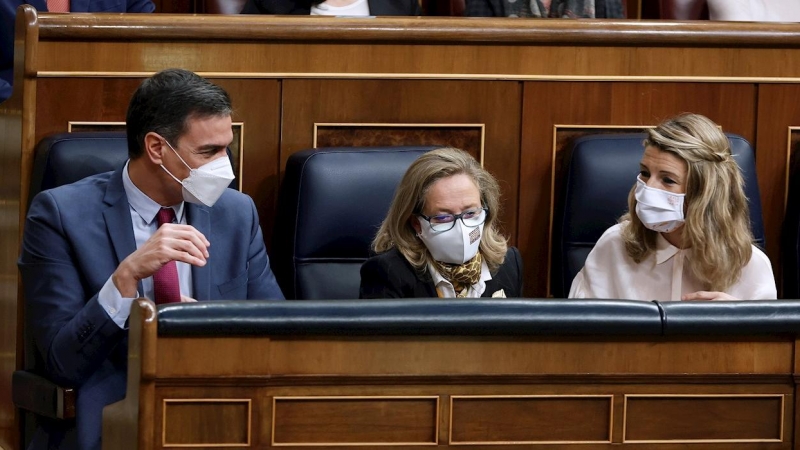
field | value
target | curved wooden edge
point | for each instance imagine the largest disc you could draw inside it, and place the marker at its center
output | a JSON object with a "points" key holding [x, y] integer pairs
{"points": [[128, 424], [592, 32]]}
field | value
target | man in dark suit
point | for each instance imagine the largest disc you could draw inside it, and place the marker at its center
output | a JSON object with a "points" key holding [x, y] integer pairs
{"points": [[164, 226], [8, 12]]}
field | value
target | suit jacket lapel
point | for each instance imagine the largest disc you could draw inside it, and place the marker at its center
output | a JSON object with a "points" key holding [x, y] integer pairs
{"points": [[118, 219], [200, 218]]}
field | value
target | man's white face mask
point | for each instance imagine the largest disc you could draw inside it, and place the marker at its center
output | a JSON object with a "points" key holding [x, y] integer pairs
{"points": [[658, 210], [207, 183]]}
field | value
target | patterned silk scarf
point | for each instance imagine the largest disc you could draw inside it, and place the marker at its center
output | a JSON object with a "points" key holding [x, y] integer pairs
{"points": [[461, 276]]}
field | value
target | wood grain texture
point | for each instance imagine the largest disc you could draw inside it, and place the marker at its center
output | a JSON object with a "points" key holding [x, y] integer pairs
{"points": [[531, 419], [207, 421], [342, 420], [494, 104], [678, 418], [778, 109], [468, 355], [411, 29]]}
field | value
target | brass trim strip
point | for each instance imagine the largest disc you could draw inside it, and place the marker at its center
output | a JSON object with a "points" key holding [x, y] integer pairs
{"points": [[435, 442], [417, 76], [71, 123], [625, 440], [248, 401], [610, 440]]}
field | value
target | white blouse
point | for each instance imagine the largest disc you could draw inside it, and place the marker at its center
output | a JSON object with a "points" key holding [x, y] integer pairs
{"points": [[610, 273]]}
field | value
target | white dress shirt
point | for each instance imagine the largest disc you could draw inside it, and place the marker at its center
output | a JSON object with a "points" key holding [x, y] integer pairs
{"points": [[610, 273], [143, 217], [445, 288]]}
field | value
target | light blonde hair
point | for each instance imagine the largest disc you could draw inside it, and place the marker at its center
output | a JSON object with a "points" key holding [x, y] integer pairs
{"points": [[409, 199], [717, 217]]}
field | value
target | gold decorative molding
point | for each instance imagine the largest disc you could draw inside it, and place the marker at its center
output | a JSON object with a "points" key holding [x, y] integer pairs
{"points": [[430, 76]]}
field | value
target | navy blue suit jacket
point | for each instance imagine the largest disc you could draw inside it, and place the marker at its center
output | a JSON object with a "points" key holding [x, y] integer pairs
{"points": [[75, 237], [8, 12]]}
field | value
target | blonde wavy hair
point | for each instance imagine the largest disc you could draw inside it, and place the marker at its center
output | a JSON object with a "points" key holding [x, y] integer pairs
{"points": [[717, 217], [409, 199]]}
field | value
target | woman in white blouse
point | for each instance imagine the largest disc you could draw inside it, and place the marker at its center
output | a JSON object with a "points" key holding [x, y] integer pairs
{"points": [[687, 233]]}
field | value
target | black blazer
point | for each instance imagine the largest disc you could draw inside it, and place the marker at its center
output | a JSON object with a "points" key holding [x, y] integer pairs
{"points": [[390, 275], [303, 7]]}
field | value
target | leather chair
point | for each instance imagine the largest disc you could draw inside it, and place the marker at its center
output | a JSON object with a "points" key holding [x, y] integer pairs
{"points": [[790, 235], [601, 172], [59, 159], [331, 203]]}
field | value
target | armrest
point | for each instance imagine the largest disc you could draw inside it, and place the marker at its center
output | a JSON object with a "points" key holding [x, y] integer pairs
{"points": [[41, 396]]}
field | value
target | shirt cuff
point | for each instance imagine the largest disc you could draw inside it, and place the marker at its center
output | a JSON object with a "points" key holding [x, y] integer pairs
{"points": [[116, 306]]}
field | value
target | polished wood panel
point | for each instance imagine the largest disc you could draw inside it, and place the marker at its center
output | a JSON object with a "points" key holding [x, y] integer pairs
{"points": [[545, 419], [213, 422], [411, 29], [256, 103], [730, 393], [704, 418], [366, 420], [778, 110], [496, 105], [550, 107]]}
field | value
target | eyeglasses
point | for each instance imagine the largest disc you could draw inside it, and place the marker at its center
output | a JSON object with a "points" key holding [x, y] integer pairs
{"points": [[445, 222]]}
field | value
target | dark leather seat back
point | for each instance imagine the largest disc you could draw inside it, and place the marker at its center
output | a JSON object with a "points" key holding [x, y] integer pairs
{"points": [[59, 159], [790, 235], [331, 203], [602, 170], [65, 158]]}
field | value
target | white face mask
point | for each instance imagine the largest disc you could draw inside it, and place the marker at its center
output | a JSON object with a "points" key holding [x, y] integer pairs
{"points": [[455, 246], [207, 183], [658, 210]]}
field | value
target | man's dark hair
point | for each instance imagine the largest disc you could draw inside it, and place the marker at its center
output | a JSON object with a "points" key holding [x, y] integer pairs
{"points": [[164, 103]]}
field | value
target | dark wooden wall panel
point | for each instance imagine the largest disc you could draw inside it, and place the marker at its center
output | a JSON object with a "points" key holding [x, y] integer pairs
{"points": [[256, 103], [778, 110], [505, 420], [552, 106], [213, 422], [496, 104], [706, 418], [355, 420]]}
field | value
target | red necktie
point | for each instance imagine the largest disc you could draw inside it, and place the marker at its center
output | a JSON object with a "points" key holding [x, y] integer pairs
{"points": [[166, 287], [58, 5]]}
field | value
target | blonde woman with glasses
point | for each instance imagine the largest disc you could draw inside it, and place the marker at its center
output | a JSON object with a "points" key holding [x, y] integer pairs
{"points": [[687, 234], [440, 237]]}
